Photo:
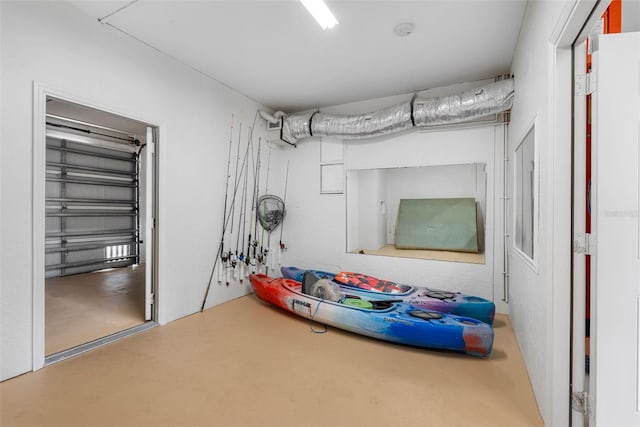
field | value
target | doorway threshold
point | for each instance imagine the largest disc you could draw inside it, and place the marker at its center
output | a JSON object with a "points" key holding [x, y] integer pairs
{"points": [[91, 345]]}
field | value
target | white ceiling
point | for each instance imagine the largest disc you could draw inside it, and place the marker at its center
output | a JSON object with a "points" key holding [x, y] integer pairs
{"points": [[275, 53]]}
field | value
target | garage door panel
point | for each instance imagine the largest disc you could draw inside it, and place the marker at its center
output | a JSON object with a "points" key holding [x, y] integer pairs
{"points": [[92, 208]]}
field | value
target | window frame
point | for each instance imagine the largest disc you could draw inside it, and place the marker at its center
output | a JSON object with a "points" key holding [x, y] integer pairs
{"points": [[532, 260]]}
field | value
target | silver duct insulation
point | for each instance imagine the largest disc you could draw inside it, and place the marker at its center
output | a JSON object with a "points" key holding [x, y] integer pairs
{"points": [[458, 108], [390, 120], [296, 127], [469, 105]]}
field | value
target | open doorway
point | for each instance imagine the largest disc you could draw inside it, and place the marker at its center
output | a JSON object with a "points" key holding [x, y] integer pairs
{"points": [[98, 237]]}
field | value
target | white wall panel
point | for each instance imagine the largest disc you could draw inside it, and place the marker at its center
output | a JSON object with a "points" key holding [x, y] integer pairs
{"points": [[59, 47], [371, 221]]}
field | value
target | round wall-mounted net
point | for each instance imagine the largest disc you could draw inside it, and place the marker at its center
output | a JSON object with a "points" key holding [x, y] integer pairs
{"points": [[270, 211]]}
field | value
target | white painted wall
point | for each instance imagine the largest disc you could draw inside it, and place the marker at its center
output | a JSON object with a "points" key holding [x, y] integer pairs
{"points": [[371, 224], [59, 47], [315, 227], [531, 293]]}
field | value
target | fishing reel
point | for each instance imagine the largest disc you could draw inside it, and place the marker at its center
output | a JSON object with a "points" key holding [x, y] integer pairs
{"points": [[234, 266], [224, 258]]}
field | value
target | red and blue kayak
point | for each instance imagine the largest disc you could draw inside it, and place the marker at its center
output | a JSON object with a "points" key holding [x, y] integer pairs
{"points": [[369, 287], [392, 321]]}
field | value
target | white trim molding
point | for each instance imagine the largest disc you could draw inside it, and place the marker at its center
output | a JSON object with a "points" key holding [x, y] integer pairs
{"points": [[40, 94]]}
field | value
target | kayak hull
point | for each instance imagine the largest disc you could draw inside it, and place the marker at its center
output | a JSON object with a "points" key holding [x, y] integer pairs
{"points": [[397, 323], [420, 297]]}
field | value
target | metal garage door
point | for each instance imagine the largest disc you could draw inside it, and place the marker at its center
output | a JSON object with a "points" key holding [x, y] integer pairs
{"points": [[92, 198]]}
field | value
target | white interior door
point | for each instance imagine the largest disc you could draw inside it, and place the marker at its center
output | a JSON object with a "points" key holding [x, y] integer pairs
{"points": [[615, 296], [149, 223]]}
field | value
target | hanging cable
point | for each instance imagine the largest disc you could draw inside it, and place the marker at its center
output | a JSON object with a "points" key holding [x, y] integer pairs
{"points": [[311, 320]]}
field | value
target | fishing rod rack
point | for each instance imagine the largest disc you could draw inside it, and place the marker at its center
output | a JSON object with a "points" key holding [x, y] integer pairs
{"points": [[92, 204]]}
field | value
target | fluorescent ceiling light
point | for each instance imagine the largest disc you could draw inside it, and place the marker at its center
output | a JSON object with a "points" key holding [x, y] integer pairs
{"points": [[319, 10]]}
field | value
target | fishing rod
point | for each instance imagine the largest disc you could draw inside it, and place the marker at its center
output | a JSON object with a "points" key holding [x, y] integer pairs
{"points": [[236, 176], [244, 259], [244, 173], [236, 257], [224, 213], [243, 221], [283, 247], [223, 255], [247, 259], [226, 255], [254, 206], [265, 250], [232, 257]]}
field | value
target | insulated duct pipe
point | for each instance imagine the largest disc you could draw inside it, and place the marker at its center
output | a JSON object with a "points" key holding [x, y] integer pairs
{"points": [[390, 120], [458, 108], [465, 106]]}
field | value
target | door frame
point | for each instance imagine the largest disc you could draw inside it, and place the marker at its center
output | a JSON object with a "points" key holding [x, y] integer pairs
{"points": [[40, 94], [579, 200], [575, 16]]}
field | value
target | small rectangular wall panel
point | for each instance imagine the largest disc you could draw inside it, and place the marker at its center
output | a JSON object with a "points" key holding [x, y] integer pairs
{"points": [[332, 178], [439, 224]]}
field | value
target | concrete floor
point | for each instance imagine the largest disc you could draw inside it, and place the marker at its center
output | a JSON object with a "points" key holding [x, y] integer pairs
{"points": [[85, 307], [245, 363]]}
